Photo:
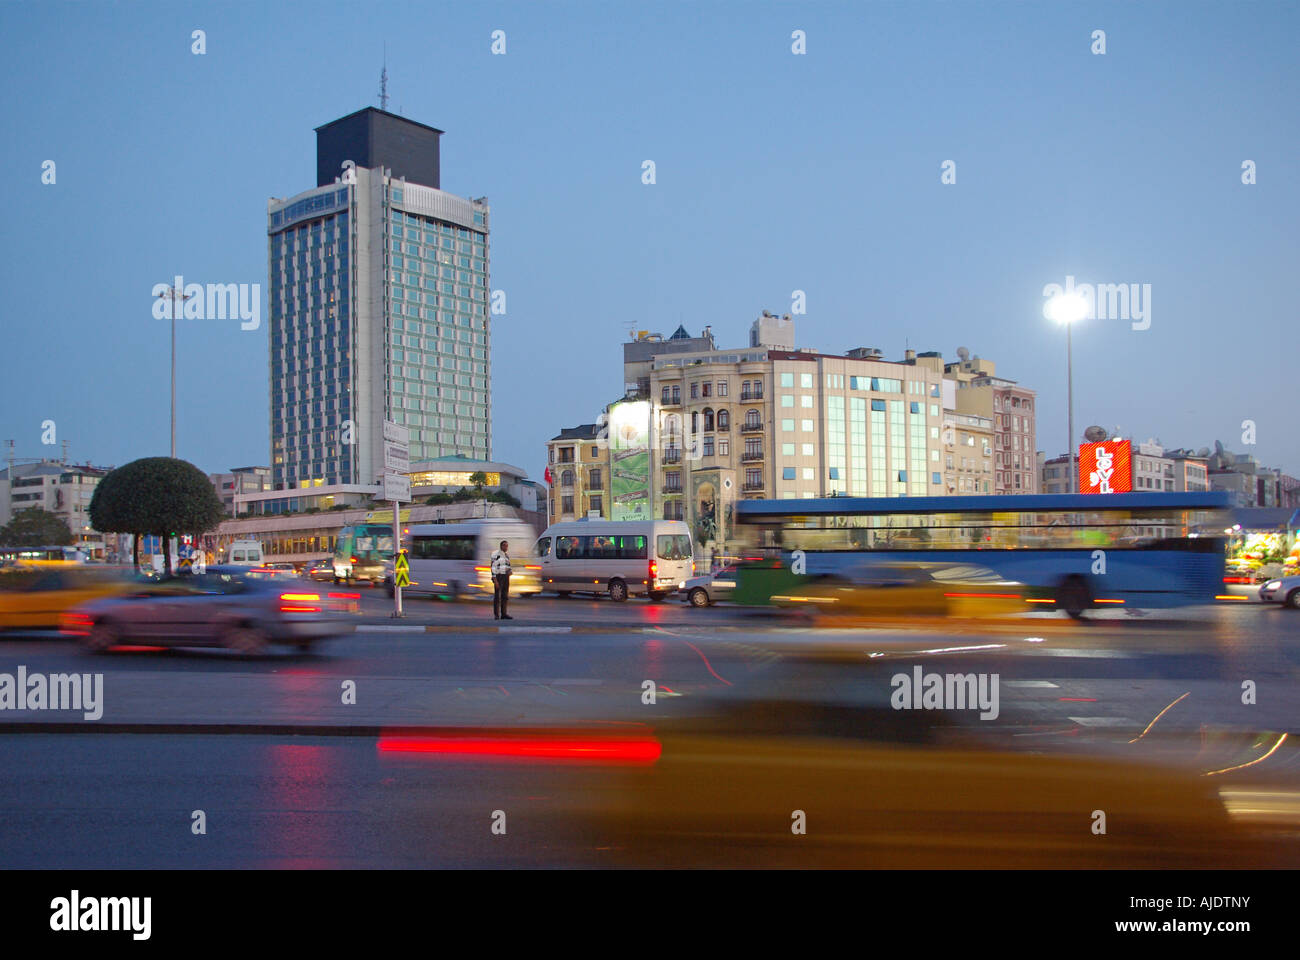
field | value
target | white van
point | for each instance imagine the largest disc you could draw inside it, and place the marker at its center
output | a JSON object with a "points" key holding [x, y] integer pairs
{"points": [[620, 557], [244, 553], [453, 559]]}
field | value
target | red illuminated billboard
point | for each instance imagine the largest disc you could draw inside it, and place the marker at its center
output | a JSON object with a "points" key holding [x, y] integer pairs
{"points": [[1106, 467]]}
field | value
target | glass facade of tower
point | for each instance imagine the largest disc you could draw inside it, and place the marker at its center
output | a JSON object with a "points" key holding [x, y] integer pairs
{"points": [[311, 344], [438, 341], [378, 306]]}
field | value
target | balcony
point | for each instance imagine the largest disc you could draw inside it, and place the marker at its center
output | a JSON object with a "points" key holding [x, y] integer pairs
{"points": [[724, 427], [672, 488], [670, 400], [750, 486], [673, 455], [750, 427], [751, 456], [751, 395]]}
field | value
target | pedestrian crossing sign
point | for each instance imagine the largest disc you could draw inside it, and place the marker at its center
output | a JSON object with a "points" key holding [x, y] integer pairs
{"points": [[402, 571]]}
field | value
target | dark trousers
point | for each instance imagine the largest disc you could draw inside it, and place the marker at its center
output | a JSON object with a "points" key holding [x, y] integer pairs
{"points": [[500, 594]]}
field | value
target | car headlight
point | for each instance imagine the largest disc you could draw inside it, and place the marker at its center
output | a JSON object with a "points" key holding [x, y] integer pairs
{"points": [[1272, 584]]}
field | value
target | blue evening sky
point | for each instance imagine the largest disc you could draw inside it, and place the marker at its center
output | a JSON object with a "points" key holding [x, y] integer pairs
{"points": [[775, 172]]}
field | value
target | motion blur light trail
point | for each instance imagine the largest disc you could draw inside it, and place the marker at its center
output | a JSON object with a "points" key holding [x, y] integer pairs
{"points": [[522, 746]]}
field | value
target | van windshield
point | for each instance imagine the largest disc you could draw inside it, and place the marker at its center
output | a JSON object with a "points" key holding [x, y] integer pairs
{"points": [[673, 546]]}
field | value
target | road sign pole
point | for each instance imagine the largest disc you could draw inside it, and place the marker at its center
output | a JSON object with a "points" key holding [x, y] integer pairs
{"points": [[397, 554]]}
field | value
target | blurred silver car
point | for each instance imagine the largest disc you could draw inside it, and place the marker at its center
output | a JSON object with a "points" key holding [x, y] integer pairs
{"points": [[710, 588], [222, 607], [1284, 590]]}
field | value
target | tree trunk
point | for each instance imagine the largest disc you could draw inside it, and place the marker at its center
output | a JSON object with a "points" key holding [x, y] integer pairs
{"points": [[167, 554], [135, 551]]}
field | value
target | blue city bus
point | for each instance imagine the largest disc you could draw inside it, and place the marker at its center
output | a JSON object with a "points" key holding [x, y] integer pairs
{"points": [[1072, 552], [360, 552]]}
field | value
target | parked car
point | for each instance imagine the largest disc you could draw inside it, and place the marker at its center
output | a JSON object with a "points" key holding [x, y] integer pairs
{"points": [[223, 607], [1284, 590], [710, 588]]}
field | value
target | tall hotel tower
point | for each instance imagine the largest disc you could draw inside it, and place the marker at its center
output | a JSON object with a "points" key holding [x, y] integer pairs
{"points": [[378, 308]]}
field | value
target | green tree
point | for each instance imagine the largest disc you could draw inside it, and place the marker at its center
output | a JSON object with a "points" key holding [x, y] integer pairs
{"points": [[479, 479], [156, 496], [35, 527]]}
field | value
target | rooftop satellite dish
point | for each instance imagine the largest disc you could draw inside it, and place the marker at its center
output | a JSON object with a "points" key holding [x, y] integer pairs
{"points": [[963, 354], [1095, 434], [1203, 452]]}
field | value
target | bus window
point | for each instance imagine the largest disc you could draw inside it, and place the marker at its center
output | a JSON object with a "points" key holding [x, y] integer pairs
{"points": [[569, 548], [673, 546], [631, 548]]}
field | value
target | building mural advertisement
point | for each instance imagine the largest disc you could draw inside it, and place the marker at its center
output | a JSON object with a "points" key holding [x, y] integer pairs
{"points": [[629, 446]]}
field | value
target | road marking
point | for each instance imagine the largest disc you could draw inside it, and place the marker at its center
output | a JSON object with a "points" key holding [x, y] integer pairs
{"points": [[534, 629], [1101, 721], [393, 628], [1030, 683], [1082, 652]]}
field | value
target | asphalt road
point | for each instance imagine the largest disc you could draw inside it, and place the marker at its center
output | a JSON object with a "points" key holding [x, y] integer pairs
{"points": [[290, 774]]}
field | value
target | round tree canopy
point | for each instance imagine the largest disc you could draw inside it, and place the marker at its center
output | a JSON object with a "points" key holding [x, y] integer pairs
{"points": [[156, 495]]}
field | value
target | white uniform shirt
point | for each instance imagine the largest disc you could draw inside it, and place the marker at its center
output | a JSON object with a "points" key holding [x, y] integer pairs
{"points": [[500, 563]]}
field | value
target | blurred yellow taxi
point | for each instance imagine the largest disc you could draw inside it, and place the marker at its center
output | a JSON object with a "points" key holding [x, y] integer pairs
{"points": [[907, 590], [34, 594]]}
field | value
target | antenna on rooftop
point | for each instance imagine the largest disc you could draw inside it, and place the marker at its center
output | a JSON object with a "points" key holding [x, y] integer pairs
{"points": [[383, 82]]}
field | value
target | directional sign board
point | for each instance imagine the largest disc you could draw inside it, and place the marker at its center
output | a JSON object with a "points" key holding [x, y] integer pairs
{"points": [[397, 488], [396, 458], [393, 433], [401, 571]]}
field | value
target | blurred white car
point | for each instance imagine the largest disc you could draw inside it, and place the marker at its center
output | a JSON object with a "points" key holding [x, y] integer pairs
{"points": [[702, 591], [1285, 590]]}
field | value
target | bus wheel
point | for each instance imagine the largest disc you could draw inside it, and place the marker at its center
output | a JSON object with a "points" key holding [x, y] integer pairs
{"points": [[563, 594], [617, 591], [1074, 597], [657, 596]]}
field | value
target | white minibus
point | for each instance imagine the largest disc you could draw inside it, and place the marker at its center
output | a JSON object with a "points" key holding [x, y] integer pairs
{"points": [[620, 557], [244, 553], [452, 559]]}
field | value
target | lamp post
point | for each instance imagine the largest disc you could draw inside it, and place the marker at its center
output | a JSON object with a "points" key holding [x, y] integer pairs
{"points": [[177, 296], [1068, 309]]}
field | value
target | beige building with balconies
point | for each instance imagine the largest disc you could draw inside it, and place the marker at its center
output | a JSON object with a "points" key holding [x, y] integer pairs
{"points": [[776, 423], [769, 421], [578, 462], [1012, 410]]}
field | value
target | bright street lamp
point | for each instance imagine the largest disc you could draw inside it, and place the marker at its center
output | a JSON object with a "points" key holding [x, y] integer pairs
{"points": [[1068, 309]]}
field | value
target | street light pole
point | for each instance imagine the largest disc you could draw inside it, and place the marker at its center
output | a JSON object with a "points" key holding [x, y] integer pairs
{"points": [[1069, 389], [1068, 308], [173, 379], [177, 296]]}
